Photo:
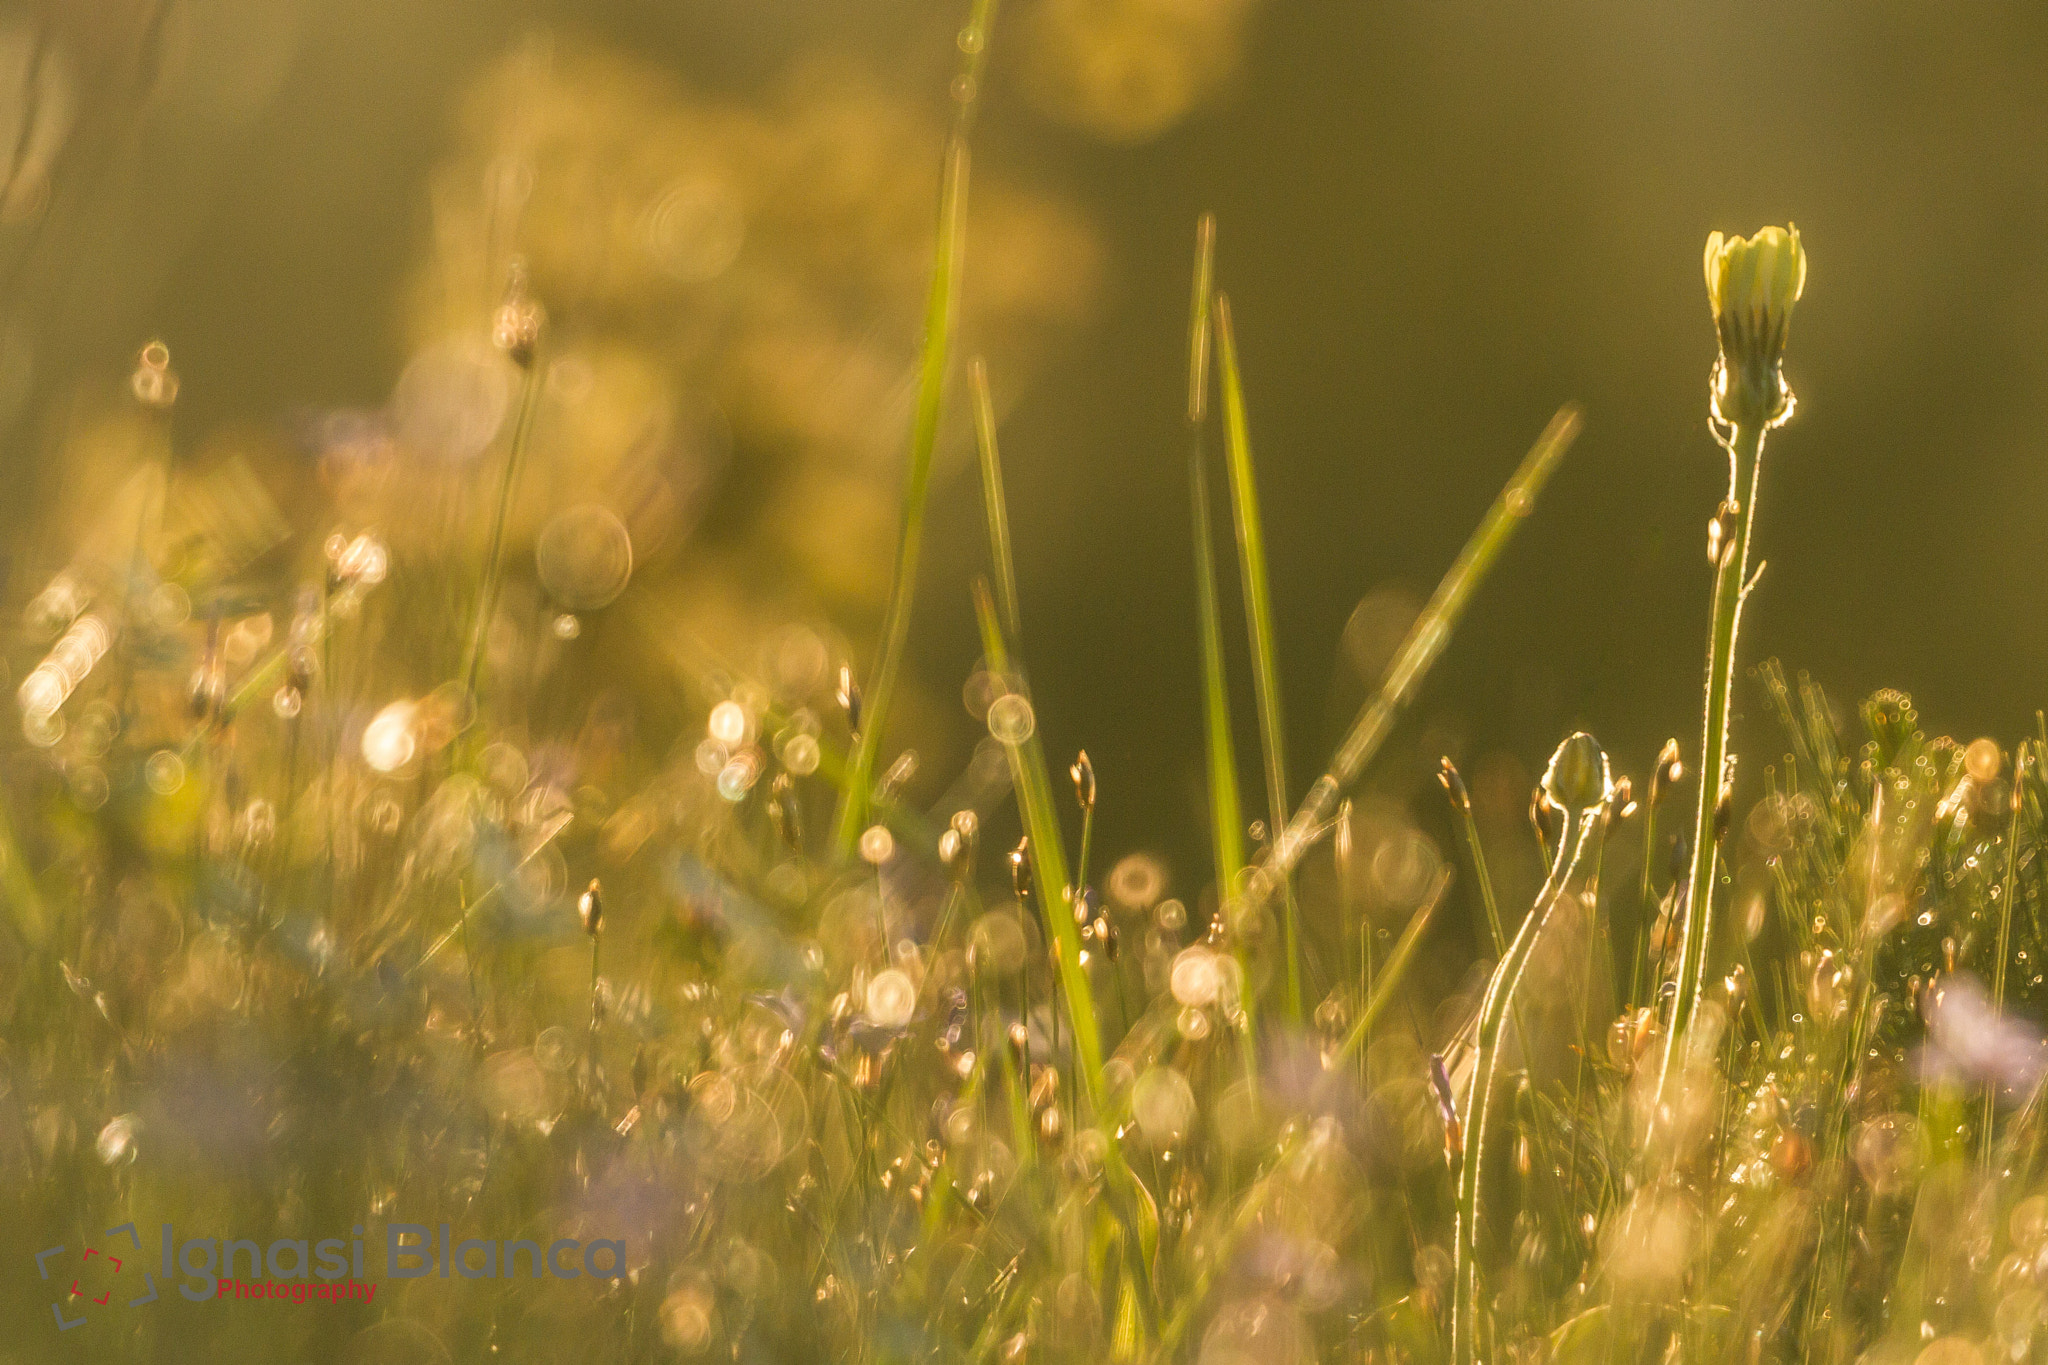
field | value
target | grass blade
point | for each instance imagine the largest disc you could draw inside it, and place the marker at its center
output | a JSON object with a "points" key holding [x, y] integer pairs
{"points": [[1226, 817], [1426, 639], [1048, 865], [941, 308], [992, 498], [1258, 605], [494, 556], [1226, 804]]}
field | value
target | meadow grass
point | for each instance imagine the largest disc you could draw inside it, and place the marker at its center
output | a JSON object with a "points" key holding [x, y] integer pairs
{"points": [[847, 1082]]}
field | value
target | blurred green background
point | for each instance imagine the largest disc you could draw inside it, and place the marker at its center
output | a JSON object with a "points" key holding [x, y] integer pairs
{"points": [[1438, 221]]}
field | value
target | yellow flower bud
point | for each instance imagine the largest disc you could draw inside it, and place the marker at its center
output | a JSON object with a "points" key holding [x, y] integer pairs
{"points": [[1578, 777], [1752, 284]]}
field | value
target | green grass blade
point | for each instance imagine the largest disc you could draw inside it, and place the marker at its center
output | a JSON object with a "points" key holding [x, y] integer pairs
{"points": [[941, 308], [1048, 865], [1226, 812], [992, 498], [1426, 639], [1226, 818], [1258, 603], [1198, 320]]}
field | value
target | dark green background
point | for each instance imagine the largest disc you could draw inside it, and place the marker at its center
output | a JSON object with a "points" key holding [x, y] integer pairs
{"points": [[1440, 219]]}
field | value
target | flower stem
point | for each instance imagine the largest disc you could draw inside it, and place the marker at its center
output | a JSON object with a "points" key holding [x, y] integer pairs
{"points": [[1745, 453], [1582, 828]]}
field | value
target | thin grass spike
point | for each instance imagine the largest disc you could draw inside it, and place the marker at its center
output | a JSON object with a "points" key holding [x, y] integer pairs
{"points": [[1258, 602], [1426, 639], [941, 309]]}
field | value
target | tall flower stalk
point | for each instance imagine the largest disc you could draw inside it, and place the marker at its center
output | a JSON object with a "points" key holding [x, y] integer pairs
{"points": [[1578, 783], [1752, 285]]}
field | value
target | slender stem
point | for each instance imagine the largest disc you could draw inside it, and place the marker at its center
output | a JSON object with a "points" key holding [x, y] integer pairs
{"points": [[1081, 862], [1730, 585], [494, 557], [596, 1009], [2008, 893], [1646, 911], [1581, 828], [1388, 979], [1469, 828]]}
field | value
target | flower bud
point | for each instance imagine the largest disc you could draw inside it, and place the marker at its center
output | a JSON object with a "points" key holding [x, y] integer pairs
{"points": [[1577, 777], [1752, 284]]}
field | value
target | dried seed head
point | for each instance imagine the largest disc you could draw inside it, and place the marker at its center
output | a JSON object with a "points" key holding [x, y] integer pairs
{"points": [[1083, 773], [848, 697], [1020, 870], [1624, 797], [1669, 772], [1454, 786], [590, 908], [516, 326], [957, 845]]}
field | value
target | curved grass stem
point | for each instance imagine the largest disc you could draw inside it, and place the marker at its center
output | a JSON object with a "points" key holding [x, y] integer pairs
{"points": [[1582, 828]]}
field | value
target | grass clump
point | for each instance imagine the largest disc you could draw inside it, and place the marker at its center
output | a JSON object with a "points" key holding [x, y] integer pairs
{"points": [[326, 908]]}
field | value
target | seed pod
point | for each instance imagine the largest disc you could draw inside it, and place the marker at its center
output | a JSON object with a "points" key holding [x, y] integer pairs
{"points": [[517, 324], [1105, 934], [590, 908], [1454, 786], [957, 845], [848, 697], [1083, 773], [1669, 771], [1020, 870], [1624, 798]]}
